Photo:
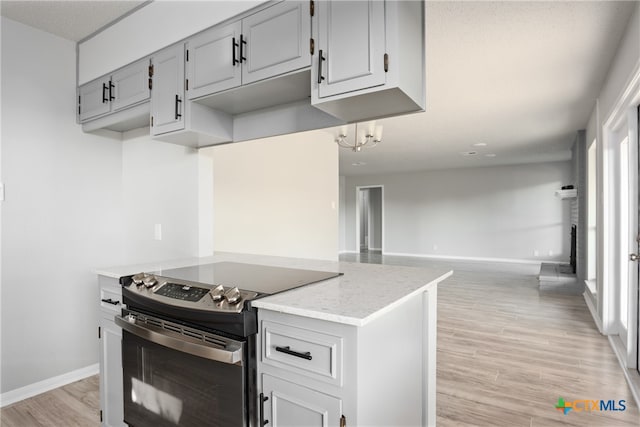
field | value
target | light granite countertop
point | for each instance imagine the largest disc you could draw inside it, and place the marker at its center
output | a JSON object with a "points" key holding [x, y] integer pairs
{"points": [[363, 293]]}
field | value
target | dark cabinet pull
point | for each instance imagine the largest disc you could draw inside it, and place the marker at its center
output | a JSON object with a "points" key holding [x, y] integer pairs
{"points": [[320, 59], [104, 93], [263, 399], [178, 101], [242, 42], [110, 301], [287, 350], [111, 86], [234, 45]]}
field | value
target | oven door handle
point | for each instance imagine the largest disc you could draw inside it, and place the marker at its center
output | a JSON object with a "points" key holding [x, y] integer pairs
{"points": [[232, 354]]}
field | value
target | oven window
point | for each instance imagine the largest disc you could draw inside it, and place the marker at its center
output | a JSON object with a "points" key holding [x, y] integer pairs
{"points": [[165, 387]]}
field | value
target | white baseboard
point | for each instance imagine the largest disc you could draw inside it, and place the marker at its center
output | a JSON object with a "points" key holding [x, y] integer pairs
{"points": [[34, 389], [375, 249], [466, 258], [593, 310]]}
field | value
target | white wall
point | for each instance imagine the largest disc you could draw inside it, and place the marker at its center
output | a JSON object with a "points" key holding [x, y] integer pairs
{"points": [[624, 67], [150, 28], [62, 215], [75, 202], [503, 212], [277, 196], [160, 186]]}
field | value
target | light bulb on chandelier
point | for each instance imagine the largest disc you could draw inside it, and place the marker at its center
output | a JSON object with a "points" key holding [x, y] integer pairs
{"points": [[365, 138]]}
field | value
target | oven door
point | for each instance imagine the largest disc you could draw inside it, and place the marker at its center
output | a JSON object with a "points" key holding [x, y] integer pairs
{"points": [[174, 378]]}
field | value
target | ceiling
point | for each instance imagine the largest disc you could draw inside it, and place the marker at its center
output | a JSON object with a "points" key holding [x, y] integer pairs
{"points": [[519, 76], [70, 19]]}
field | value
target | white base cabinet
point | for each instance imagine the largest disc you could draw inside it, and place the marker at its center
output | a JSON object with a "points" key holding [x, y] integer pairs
{"points": [[295, 406], [322, 373], [110, 336]]}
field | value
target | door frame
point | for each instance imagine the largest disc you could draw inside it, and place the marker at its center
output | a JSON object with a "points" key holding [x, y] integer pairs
{"points": [[382, 239], [623, 112]]}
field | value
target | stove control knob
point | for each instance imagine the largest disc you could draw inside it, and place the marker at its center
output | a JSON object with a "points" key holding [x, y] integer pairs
{"points": [[217, 293], [233, 296], [137, 279], [149, 281]]}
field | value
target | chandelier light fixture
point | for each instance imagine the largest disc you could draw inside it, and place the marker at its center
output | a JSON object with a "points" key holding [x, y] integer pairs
{"points": [[369, 135]]}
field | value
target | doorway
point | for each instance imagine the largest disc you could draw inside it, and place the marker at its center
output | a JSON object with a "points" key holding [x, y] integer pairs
{"points": [[369, 219]]}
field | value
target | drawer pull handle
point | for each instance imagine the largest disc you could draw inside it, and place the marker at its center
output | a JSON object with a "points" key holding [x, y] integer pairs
{"points": [[263, 399], [110, 301], [320, 59], [287, 350]]}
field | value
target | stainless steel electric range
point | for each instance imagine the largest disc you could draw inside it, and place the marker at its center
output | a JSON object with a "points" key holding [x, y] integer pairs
{"points": [[189, 342]]}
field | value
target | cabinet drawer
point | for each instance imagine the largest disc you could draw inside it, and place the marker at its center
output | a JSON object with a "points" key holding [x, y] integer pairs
{"points": [[307, 352], [111, 298]]}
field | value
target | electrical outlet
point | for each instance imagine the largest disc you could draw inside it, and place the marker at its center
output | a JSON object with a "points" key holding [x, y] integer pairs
{"points": [[550, 253], [536, 252], [157, 232], [435, 247]]}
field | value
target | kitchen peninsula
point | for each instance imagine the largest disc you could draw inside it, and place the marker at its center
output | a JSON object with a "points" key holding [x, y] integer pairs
{"points": [[357, 349]]}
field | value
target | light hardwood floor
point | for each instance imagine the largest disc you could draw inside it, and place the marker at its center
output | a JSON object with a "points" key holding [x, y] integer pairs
{"points": [[506, 353], [74, 405]]}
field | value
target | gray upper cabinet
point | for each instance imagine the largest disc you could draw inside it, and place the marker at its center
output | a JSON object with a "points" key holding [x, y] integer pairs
{"points": [[167, 101], [212, 64], [277, 41], [93, 100], [268, 43], [370, 58], [351, 46], [130, 85], [122, 89]]}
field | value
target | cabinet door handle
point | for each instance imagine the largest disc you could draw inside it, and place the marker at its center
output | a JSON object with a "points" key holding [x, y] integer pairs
{"points": [[320, 59], [178, 101], [110, 301], [287, 350], [234, 45], [104, 93], [263, 399], [242, 43], [111, 86]]}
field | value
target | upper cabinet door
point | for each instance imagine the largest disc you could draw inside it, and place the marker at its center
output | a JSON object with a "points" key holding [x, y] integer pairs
{"points": [[277, 40], [130, 85], [351, 35], [94, 99], [213, 61], [167, 97]]}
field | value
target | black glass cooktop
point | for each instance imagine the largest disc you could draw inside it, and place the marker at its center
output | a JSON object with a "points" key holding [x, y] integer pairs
{"points": [[249, 277]]}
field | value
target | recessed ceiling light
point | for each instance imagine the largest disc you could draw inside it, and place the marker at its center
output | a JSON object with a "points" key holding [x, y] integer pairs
{"points": [[358, 164], [489, 155], [469, 153], [479, 144]]}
